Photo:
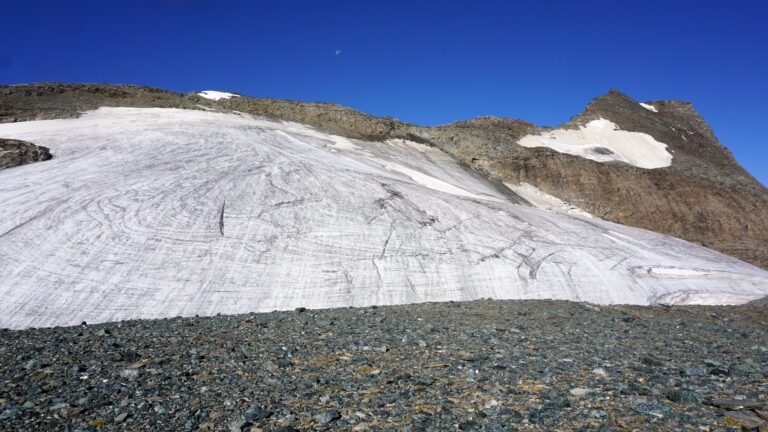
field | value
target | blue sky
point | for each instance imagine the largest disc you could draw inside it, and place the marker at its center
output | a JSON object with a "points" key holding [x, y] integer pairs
{"points": [[424, 62]]}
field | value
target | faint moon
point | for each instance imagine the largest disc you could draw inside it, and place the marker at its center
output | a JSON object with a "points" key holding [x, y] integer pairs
{"points": [[338, 52]]}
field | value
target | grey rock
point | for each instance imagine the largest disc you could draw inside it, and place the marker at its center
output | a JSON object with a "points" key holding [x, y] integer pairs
{"points": [[32, 364], [739, 404], [746, 419], [257, 412], [15, 152], [129, 373], [692, 371], [682, 396], [239, 425], [581, 391], [327, 416], [646, 406]]}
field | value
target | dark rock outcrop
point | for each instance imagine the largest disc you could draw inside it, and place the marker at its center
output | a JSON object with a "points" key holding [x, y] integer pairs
{"points": [[14, 153], [705, 196]]}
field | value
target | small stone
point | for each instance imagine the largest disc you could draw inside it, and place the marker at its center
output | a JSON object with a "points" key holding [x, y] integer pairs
{"points": [[469, 425], [72, 412], [580, 391], [239, 424], [719, 371], [59, 406], [682, 396], [327, 416], [28, 405], [121, 417], [206, 426], [598, 413], [745, 419], [368, 369], [32, 364], [738, 404], [645, 406], [651, 361], [301, 309], [600, 372], [74, 371], [472, 357], [9, 413], [257, 412], [743, 369], [284, 429], [129, 373], [692, 371], [160, 409]]}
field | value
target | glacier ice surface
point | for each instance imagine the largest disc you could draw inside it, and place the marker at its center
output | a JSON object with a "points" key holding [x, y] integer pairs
{"points": [[124, 223]]}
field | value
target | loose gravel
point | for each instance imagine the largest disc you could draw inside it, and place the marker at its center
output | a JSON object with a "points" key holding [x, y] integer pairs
{"points": [[483, 365]]}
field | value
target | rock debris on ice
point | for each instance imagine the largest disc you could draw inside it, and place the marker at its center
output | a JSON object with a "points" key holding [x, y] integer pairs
{"points": [[127, 222]]}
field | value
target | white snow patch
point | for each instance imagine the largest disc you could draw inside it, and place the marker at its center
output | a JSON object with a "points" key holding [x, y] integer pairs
{"points": [[649, 107], [216, 95], [706, 298], [540, 199], [124, 224], [433, 183], [602, 140], [341, 143]]}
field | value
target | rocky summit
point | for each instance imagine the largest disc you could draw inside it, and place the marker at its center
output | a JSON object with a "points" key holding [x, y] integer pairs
{"points": [[473, 366]]}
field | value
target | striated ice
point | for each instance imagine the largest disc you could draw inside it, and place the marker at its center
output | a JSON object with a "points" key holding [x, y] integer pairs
{"points": [[126, 222]]}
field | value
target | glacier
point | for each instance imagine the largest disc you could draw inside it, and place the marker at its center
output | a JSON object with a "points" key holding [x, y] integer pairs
{"points": [[153, 213]]}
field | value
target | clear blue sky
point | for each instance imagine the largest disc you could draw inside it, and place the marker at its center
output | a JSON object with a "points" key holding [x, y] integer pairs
{"points": [[424, 62]]}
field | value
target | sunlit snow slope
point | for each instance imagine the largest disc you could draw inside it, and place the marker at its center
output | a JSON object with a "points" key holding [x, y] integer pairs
{"points": [[126, 222]]}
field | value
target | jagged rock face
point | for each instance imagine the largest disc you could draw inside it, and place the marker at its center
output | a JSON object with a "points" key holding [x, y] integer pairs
{"points": [[704, 196], [14, 153]]}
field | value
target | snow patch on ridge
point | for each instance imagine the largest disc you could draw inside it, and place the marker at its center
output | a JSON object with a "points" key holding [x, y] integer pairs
{"points": [[542, 200], [216, 95], [601, 140], [649, 107]]}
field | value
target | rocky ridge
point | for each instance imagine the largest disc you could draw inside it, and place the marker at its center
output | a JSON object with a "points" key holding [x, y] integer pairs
{"points": [[704, 196]]}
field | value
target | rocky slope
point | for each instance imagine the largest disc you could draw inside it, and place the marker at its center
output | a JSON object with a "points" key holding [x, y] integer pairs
{"points": [[14, 153], [476, 366], [704, 196]]}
